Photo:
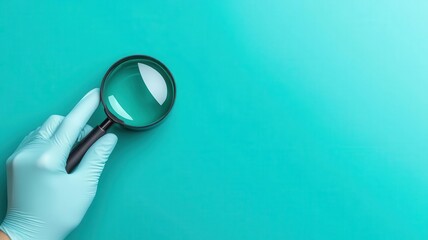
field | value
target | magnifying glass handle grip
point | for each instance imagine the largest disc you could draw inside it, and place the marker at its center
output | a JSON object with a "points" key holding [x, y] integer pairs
{"points": [[82, 147]]}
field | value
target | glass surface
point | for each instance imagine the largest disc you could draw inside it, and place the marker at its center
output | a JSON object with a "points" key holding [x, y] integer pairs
{"points": [[138, 92]]}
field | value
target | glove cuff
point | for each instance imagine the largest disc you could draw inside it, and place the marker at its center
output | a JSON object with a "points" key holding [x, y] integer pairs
{"points": [[19, 226]]}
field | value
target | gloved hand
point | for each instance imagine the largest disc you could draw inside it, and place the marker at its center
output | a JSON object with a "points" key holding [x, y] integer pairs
{"points": [[44, 202]]}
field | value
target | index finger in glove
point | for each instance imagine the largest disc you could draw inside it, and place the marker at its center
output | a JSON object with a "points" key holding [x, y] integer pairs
{"points": [[68, 131]]}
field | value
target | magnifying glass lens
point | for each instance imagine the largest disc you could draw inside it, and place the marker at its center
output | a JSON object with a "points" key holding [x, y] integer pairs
{"points": [[138, 92]]}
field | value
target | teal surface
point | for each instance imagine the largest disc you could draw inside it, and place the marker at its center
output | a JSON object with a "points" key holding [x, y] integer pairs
{"points": [[293, 119]]}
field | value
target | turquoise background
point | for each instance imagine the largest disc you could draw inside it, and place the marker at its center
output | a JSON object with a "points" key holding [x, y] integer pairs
{"points": [[294, 119]]}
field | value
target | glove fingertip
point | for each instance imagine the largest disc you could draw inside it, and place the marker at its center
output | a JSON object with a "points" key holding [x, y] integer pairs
{"points": [[97, 155], [112, 138], [105, 146]]}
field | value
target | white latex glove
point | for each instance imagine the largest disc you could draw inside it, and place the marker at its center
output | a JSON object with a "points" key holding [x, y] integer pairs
{"points": [[44, 202]]}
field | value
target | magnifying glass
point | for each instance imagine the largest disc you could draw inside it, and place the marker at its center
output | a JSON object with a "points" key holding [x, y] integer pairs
{"points": [[137, 92]]}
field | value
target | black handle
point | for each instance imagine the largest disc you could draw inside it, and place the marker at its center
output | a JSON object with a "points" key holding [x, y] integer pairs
{"points": [[82, 147]]}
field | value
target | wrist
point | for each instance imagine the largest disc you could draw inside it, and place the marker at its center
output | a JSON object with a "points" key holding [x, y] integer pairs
{"points": [[4, 232], [4, 236]]}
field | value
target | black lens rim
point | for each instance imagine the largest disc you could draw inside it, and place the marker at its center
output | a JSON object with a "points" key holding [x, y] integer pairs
{"points": [[147, 58]]}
